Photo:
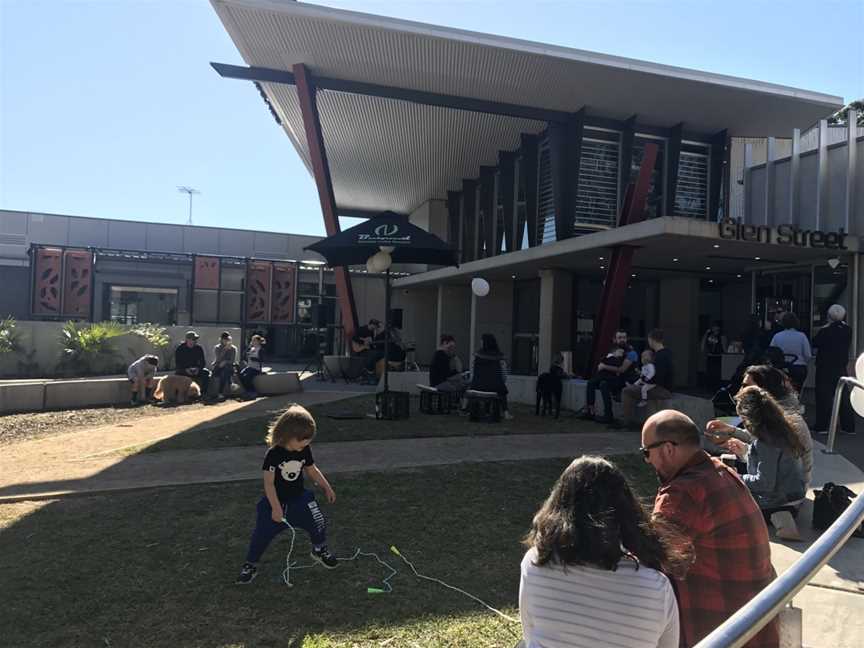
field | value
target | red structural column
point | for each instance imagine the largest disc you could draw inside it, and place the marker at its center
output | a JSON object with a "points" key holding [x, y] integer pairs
{"points": [[621, 261], [321, 172]]}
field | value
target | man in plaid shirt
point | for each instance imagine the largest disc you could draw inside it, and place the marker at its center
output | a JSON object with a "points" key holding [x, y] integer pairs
{"points": [[710, 504]]}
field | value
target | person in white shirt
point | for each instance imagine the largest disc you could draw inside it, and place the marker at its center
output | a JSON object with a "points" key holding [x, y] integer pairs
{"points": [[793, 343], [593, 574], [142, 378], [646, 376]]}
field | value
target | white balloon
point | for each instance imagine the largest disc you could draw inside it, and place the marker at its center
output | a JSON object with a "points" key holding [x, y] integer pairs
{"points": [[387, 249], [380, 262], [858, 401], [370, 264], [480, 287], [859, 368]]}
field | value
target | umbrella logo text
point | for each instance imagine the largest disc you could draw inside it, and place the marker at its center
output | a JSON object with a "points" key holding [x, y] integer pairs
{"points": [[386, 231]]}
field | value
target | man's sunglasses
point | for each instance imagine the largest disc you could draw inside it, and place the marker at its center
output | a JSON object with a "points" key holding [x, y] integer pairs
{"points": [[646, 450]]}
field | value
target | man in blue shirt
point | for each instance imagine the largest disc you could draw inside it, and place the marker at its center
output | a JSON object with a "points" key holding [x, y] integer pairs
{"points": [[611, 375]]}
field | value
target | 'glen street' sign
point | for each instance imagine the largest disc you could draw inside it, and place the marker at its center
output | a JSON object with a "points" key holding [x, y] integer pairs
{"points": [[781, 235]]}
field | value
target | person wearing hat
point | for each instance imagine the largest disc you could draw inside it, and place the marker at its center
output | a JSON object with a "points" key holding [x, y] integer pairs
{"points": [[224, 357], [189, 361]]}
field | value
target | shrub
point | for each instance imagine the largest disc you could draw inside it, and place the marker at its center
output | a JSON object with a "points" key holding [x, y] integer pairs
{"points": [[153, 333], [10, 338], [84, 344]]}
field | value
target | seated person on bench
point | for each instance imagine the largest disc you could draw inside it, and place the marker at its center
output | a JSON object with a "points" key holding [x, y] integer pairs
{"points": [[613, 372], [445, 372], [362, 344], [775, 473], [488, 373]]}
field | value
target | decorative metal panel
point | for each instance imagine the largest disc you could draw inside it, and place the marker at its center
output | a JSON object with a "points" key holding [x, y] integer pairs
{"points": [[691, 197], [258, 275], [597, 197], [77, 283], [47, 285], [206, 273], [284, 293]]}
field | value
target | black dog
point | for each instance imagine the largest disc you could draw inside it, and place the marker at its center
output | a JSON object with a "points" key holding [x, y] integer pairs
{"points": [[549, 389]]}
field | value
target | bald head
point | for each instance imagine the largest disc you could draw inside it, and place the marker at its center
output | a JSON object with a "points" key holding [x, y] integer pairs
{"points": [[669, 441], [672, 425]]}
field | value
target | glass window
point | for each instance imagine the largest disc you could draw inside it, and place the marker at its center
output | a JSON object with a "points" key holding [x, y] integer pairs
{"points": [[830, 286], [597, 196], [138, 304]]}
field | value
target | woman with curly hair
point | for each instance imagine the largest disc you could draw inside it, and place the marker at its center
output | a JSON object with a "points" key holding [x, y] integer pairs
{"points": [[594, 570], [775, 474]]}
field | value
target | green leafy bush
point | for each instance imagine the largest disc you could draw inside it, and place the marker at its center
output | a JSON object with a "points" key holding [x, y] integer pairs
{"points": [[10, 340], [153, 333], [84, 344]]}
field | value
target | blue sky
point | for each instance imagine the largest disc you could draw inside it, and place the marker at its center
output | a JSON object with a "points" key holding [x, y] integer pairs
{"points": [[107, 106]]}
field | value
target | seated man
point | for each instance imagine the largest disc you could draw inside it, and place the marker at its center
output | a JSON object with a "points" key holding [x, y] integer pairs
{"points": [[189, 361], [363, 344], [445, 372], [618, 365]]}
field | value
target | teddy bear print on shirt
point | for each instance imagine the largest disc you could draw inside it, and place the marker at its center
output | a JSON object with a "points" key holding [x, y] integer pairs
{"points": [[291, 469]]}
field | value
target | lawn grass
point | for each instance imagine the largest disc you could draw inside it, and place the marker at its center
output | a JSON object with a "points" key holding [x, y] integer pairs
{"points": [[251, 431], [156, 567]]}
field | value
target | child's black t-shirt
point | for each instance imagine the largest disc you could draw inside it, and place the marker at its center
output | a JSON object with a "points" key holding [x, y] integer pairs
{"points": [[288, 465]]}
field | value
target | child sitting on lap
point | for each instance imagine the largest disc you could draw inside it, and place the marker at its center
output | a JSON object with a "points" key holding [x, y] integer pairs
{"points": [[646, 376], [285, 500]]}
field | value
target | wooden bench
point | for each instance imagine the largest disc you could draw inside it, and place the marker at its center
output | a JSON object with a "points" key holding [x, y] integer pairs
{"points": [[483, 406]]}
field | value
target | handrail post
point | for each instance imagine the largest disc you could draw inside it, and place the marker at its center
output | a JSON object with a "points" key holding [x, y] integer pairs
{"points": [[835, 409]]}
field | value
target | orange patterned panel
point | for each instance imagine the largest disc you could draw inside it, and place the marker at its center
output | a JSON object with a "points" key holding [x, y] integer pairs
{"points": [[283, 293], [258, 291], [207, 273], [77, 283], [46, 281]]}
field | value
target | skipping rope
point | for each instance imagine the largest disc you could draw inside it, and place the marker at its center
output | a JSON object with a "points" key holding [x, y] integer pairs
{"points": [[386, 587]]}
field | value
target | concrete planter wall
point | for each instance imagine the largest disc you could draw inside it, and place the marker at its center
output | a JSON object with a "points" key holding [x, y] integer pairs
{"points": [[41, 352]]}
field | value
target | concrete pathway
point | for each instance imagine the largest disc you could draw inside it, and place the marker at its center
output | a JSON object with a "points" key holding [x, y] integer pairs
{"points": [[22, 479]]}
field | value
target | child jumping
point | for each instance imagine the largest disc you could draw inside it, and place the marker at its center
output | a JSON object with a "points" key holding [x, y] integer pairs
{"points": [[646, 376], [285, 500]]}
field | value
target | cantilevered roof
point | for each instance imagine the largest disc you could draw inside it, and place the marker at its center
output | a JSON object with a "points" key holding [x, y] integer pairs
{"points": [[389, 153]]}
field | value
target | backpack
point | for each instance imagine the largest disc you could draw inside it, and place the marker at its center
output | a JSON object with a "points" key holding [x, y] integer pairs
{"points": [[829, 503]]}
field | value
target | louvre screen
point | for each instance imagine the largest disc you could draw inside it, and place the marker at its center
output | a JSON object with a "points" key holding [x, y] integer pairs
{"points": [[545, 199], [691, 196], [597, 197]]}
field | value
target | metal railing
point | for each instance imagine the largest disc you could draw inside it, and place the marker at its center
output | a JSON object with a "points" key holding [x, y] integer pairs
{"points": [[835, 410], [754, 616]]}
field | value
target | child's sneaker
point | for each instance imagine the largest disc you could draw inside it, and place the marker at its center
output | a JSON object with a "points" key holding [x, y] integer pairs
{"points": [[324, 557], [247, 574], [642, 403]]}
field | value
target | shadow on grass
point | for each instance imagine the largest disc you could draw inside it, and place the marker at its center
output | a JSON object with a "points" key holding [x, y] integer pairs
{"points": [[156, 568], [355, 422]]}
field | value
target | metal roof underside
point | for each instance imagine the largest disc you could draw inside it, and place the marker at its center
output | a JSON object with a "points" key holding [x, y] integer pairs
{"points": [[393, 154]]}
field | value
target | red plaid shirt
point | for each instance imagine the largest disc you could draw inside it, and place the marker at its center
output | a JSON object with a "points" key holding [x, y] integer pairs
{"points": [[709, 502]]}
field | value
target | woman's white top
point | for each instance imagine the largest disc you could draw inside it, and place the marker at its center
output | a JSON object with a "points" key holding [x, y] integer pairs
{"points": [[596, 608]]}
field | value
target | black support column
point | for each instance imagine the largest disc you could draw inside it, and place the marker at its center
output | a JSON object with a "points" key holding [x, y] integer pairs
{"points": [[453, 214], [488, 211], [528, 180], [717, 174], [468, 220], [565, 147], [506, 190], [628, 135]]}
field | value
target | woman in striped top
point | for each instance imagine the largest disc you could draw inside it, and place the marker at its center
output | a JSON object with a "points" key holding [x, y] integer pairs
{"points": [[593, 574]]}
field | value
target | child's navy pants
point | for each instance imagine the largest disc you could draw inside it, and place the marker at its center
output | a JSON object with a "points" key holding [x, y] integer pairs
{"points": [[301, 512]]}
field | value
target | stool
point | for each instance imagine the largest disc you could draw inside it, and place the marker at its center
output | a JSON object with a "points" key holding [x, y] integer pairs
{"points": [[433, 401], [483, 406]]}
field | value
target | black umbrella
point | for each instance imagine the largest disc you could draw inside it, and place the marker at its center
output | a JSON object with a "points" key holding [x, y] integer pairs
{"points": [[406, 243], [410, 243]]}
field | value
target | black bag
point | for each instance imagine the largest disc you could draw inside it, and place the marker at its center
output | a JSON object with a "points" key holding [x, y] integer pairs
{"points": [[829, 503]]}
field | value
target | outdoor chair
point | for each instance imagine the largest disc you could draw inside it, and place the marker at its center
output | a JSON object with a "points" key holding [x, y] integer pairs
{"points": [[483, 406]]}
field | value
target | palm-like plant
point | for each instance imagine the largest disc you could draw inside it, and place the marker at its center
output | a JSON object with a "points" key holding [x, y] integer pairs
{"points": [[83, 343], [10, 340]]}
